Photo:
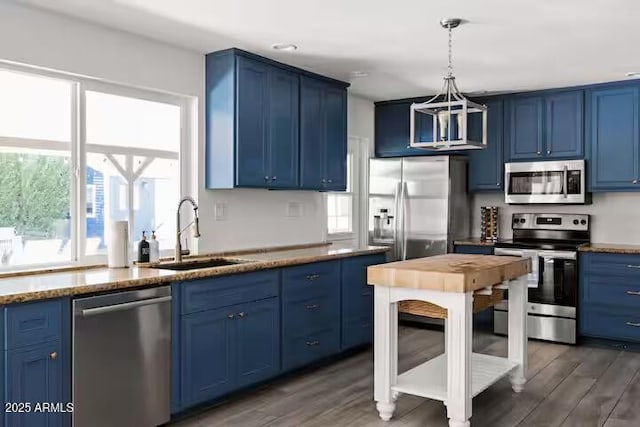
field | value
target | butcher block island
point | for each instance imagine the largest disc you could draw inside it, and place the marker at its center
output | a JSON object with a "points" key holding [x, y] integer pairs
{"points": [[446, 286]]}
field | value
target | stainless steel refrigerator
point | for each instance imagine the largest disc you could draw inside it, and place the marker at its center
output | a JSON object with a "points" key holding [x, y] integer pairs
{"points": [[418, 205]]}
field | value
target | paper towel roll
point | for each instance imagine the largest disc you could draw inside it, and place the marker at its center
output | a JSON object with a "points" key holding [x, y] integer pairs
{"points": [[118, 244]]}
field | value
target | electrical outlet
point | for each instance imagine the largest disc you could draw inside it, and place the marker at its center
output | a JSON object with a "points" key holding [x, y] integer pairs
{"points": [[294, 210], [220, 211]]}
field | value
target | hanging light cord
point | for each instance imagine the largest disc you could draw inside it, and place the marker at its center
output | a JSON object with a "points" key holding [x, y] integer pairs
{"points": [[450, 66]]}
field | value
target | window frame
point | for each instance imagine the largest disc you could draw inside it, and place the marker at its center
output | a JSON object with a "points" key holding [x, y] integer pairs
{"points": [[77, 147]]}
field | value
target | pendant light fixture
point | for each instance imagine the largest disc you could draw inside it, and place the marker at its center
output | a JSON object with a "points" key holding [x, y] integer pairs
{"points": [[451, 114]]}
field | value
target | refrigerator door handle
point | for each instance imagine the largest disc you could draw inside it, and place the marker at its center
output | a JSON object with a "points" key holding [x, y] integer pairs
{"points": [[404, 219], [396, 222]]}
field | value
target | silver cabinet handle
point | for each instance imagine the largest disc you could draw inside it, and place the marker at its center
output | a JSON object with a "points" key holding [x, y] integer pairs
{"points": [[266, 178], [230, 316], [329, 181], [548, 151], [54, 355], [313, 306], [538, 153], [633, 266], [313, 276], [634, 324], [242, 314], [274, 178], [124, 306], [324, 181], [313, 343], [633, 293], [635, 181]]}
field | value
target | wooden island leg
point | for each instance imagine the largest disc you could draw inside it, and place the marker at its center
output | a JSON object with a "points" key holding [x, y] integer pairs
{"points": [[458, 349], [517, 330], [385, 352]]}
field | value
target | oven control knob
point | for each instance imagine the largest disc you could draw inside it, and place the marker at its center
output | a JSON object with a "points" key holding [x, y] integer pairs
{"points": [[522, 220], [583, 222], [576, 222]]}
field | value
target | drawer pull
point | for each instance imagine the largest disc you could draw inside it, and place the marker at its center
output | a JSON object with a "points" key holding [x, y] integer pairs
{"points": [[313, 276], [633, 293], [633, 266], [313, 343], [54, 355], [634, 324], [242, 314], [230, 316], [312, 306]]}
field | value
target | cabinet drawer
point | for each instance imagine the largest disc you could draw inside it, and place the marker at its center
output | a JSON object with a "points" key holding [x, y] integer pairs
{"points": [[309, 280], [310, 348], [611, 290], [224, 291], [309, 315], [612, 264], [33, 323], [610, 322], [357, 332]]}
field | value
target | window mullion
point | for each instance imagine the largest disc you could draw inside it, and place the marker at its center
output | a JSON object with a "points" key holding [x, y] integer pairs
{"points": [[130, 179], [77, 228]]}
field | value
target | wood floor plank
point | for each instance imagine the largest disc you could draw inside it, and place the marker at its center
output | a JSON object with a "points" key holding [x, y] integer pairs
{"points": [[596, 406], [627, 410]]}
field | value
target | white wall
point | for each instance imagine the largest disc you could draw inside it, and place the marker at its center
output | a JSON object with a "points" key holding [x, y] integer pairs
{"points": [[254, 217], [615, 216]]}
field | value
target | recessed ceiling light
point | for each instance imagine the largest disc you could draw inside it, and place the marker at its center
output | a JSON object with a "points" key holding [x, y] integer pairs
{"points": [[359, 73], [286, 47]]}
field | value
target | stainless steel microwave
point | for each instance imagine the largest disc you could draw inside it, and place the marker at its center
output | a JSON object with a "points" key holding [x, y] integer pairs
{"points": [[559, 182]]}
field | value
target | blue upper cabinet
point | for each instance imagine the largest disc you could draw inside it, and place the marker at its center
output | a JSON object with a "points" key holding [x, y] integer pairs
{"points": [[564, 124], [525, 127], [548, 125], [614, 146], [486, 167], [323, 135], [392, 130], [253, 122]]}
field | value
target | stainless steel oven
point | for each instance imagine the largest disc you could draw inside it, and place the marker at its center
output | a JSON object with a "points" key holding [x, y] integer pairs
{"points": [[561, 182]]}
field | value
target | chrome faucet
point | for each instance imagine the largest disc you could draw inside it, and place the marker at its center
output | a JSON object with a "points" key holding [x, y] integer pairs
{"points": [[179, 231]]}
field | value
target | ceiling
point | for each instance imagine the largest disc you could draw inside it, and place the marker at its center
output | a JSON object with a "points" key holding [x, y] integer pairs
{"points": [[505, 46]]}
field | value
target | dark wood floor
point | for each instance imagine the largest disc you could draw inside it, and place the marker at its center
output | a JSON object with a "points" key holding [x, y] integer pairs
{"points": [[568, 386]]}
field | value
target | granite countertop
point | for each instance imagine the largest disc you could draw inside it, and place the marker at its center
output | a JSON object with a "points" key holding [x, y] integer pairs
{"points": [[21, 287], [612, 248], [449, 272], [474, 241]]}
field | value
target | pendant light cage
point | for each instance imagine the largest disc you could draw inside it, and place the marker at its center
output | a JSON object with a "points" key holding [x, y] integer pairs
{"points": [[456, 122]]}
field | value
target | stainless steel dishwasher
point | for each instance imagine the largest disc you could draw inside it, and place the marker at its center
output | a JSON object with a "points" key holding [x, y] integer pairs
{"points": [[122, 359]]}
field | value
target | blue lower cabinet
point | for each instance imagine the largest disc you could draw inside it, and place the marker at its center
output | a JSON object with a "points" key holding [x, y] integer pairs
{"points": [[258, 341], [207, 359], [298, 351], [610, 322], [473, 249], [357, 300], [35, 376], [226, 349]]}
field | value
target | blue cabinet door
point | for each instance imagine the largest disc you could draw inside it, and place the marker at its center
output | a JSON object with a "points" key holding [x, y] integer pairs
{"points": [[564, 124], [252, 123], [35, 375], [486, 167], [335, 116], [283, 129], [525, 127], [311, 134], [207, 358], [613, 139], [392, 125], [257, 341]]}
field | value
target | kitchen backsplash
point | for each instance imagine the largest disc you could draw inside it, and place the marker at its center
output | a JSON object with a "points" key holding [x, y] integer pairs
{"points": [[615, 217]]}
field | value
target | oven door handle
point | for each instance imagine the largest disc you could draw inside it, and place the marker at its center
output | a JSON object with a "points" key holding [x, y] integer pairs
{"points": [[565, 174], [507, 252], [558, 254]]}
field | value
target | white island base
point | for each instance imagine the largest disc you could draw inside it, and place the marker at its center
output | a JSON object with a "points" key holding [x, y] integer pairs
{"points": [[458, 375]]}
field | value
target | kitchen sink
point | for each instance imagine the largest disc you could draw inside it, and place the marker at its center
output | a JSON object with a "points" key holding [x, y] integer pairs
{"points": [[201, 263]]}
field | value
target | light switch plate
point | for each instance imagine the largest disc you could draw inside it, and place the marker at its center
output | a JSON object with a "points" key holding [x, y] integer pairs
{"points": [[294, 210], [220, 211]]}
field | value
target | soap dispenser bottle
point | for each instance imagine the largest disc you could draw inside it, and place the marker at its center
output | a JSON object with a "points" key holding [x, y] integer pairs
{"points": [[154, 248], [143, 249]]}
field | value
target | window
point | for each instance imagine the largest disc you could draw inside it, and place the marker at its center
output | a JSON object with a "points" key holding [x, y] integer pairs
{"points": [[129, 151], [340, 206]]}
